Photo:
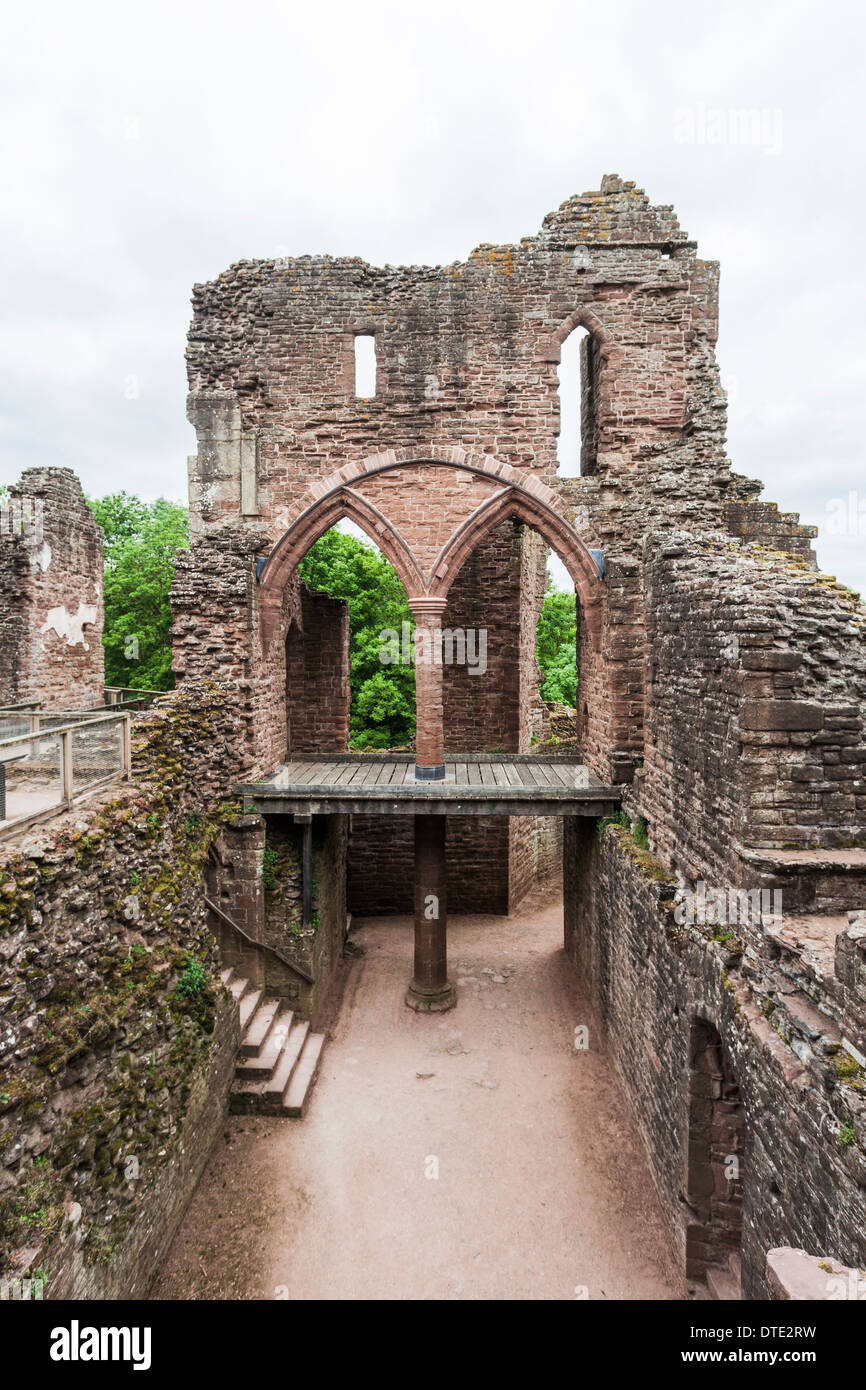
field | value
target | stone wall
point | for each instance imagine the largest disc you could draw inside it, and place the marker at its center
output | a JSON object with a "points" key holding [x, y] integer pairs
{"points": [[535, 856], [726, 953], [317, 948], [381, 853], [318, 694], [803, 1173], [51, 608], [466, 416], [214, 600], [117, 1040], [756, 693]]}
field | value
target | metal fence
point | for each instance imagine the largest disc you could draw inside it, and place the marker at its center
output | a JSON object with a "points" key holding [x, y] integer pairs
{"points": [[50, 760], [129, 697]]}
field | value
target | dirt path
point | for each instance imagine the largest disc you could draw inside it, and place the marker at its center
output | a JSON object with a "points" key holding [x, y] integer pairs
{"points": [[542, 1189]]}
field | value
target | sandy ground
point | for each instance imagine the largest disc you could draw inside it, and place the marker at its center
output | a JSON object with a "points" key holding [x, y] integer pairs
{"points": [[468, 1155]]}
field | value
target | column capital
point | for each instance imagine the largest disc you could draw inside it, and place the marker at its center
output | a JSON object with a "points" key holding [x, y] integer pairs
{"points": [[423, 606]]}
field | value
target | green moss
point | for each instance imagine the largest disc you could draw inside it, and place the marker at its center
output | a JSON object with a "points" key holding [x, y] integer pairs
{"points": [[33, 1209], [270, 881], [849, 1070], [137, 995]]}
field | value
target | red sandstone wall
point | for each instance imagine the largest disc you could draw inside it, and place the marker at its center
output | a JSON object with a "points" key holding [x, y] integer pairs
{"points": [[381, 859], [482, 710], [318, 694], [51, 609], [756, 733], [467, 356]]}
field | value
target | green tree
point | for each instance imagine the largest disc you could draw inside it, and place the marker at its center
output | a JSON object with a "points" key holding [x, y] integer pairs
{"points": [[556, 646], [383, 694], [560, 678], [141, 542]]}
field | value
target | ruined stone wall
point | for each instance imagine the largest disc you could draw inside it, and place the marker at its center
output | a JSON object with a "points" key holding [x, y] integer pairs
{"points": [[755, 674], [535, 856], [318, 694], [214, 600], [756, 696], [467, 370], [492, 862], [381, 864], [315, 949], [466, 354], [482, 709], [233, 883], [803, 1171], [117, 1040], [763, 523], [51, 608]]}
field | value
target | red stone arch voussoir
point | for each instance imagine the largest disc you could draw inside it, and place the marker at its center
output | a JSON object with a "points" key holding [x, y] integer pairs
{"points": [[306, 530], [536, 512], [583, 317], [521, 494]]}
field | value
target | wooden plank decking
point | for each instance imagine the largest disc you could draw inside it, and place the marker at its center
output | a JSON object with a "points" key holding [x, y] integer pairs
{"points": [[480, 784]]}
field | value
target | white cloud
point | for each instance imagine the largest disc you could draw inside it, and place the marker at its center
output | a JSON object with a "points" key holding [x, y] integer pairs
{"points": [[147, 148]]}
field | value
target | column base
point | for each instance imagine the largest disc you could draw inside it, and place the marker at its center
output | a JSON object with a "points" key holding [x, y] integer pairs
{"points": [[430, 774], [431, 1001]]}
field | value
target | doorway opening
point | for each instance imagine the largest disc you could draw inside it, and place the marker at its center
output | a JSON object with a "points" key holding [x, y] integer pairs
{"points": [[714, 1183]]}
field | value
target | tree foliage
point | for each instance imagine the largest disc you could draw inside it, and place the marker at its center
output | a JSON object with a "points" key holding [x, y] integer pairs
{"points": [[383, 695], [141, 542], [556, 647]]}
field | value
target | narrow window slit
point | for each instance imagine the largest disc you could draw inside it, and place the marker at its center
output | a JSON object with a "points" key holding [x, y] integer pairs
{"points": [[365, 365]]}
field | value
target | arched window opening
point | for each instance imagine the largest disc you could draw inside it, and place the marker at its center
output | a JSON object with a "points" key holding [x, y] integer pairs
{"points": [[577, 446], [350, 680], [556, 656], [714, 1183]]}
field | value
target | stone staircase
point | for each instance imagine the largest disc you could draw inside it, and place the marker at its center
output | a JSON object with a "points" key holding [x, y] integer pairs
{"points": [[278, 1058]]}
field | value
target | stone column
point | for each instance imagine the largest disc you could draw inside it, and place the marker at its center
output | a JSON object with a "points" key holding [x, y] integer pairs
{"points": [[430, 990], [429, 730]]}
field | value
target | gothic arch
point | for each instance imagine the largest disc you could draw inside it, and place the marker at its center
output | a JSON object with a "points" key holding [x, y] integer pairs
{"points": [[520, 495], [583, 317], [306, 530], [558, 534]]}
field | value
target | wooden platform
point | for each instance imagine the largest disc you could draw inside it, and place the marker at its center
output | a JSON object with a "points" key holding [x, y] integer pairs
{"points": [[485, 784]]}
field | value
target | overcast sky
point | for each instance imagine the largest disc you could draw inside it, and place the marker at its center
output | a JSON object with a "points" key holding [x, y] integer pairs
{"points": [[147, 147]]}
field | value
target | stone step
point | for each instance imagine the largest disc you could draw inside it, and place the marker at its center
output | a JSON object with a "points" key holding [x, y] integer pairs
{"points": [[276, 1087], [260, 1066], [811, 881], [225, 975], [259, 1027], [238, 988], [248, 1005], [304, 1075], [735, 1265], [721, 1284], [265, 1096]]}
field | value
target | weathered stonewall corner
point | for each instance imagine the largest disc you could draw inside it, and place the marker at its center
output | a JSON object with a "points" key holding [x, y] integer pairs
{"points": [[718, 755]]}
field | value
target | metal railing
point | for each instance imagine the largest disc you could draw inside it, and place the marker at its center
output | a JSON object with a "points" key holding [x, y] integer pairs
{"points": [[130, 697], [258, 945], [58, 760]]}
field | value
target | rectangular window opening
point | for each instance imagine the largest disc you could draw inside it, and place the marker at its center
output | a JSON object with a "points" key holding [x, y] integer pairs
{"points": [[365, 365]]}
